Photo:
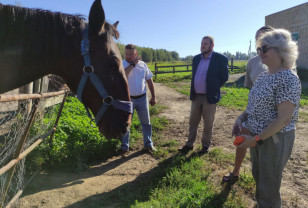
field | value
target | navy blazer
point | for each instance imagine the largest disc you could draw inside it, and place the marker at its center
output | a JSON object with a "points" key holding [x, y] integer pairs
{"points": [[217, 75]]}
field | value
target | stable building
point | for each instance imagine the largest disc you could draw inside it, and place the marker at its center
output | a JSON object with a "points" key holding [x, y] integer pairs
{"points": [[295, 20]]}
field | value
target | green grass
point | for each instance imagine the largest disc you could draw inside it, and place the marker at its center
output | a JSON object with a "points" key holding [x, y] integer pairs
{"points": [[181, 181], [234, 97], [76, 141], [304, 97], [177, 181], [192, 181], [240, 64]]}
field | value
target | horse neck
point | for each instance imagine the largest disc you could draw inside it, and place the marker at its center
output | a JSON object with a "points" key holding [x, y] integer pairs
{"points": [[32, 49]]}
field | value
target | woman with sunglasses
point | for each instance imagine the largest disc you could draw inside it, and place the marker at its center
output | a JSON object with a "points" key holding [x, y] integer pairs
{"points": [[271, 115], [254, 68]]}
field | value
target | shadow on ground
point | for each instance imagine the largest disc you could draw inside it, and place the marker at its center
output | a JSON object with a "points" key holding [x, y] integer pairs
{"points": [[142, 187]]}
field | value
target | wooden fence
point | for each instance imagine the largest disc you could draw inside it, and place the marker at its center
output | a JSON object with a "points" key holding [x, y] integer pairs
{"points": [[173, 69], [187, 66], [19, 153]]}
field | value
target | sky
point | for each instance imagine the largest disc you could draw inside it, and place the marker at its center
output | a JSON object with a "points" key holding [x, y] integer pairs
{"points": [[178, 25]]}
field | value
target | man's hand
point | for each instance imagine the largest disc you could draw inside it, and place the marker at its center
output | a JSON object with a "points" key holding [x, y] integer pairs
{"points": [[153, 101]]}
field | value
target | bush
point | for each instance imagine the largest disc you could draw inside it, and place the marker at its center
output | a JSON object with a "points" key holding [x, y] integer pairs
{"points": [[77, 142], [74, 142]]}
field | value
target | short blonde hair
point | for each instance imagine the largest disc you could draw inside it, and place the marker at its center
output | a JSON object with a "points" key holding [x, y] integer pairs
{"points": [[210, 38], [281, 40]]}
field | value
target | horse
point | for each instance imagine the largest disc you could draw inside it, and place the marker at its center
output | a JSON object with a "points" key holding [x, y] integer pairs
{"points": [[35, 43]]}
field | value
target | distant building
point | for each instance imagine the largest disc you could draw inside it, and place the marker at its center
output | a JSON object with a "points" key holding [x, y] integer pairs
{"points": [[295, 20]]}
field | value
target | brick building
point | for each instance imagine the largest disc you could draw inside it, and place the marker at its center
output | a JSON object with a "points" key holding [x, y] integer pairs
{"points": [[295, 20]]}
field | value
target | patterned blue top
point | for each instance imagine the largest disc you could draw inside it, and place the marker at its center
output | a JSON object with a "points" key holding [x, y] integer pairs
{"points": [[268, 91]]}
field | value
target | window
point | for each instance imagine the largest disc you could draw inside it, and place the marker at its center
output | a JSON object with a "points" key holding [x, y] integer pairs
{"points": [[295, 36]]}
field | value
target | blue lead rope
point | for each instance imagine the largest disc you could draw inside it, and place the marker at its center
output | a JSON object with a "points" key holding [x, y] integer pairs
{"points": [[107, 100]]}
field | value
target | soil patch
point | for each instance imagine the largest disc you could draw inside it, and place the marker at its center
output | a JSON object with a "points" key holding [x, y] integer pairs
{"points": [[62, 189]]}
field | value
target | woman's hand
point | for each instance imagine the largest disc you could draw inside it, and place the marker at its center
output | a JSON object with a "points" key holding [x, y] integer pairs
{"points": [[248, 142], [237, 126]]}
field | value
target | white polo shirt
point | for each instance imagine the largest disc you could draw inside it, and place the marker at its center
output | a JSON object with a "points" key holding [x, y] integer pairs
{"points": [[254, 68], [137, 78]]}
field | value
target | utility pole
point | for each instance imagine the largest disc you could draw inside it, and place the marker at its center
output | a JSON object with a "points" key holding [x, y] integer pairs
{"points": [[249, 50]]}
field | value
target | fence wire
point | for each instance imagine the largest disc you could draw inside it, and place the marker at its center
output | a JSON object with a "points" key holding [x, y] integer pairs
{"points": [[14, 119]]}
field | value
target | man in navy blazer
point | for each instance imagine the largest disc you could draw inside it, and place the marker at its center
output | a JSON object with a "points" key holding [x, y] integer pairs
{"points": [[209, 74]]}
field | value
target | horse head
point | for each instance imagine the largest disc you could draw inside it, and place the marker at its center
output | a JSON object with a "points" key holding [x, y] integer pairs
{"points": [[36, 42], [106, 66]]}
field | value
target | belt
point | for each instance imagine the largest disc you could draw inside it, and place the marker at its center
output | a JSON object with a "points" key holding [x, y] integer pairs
{"points": [[137, 96]]}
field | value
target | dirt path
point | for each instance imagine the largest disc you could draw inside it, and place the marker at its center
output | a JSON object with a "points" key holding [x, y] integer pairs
{"points": [[80, 189]]}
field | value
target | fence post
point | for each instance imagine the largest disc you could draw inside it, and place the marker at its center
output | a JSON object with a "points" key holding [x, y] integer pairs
{"points": [[173, 69], [19, 149], [156, 70], [58, 117], [232, 64]]}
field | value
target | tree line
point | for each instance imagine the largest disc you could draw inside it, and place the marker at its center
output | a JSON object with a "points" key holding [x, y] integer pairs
{"points": [[153, 55], [239, 55], [162, 55]]}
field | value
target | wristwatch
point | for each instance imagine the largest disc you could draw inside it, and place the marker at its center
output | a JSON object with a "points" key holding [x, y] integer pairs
{"points": [[258, 140]]}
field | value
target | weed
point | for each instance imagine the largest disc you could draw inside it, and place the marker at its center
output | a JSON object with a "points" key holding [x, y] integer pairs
{"points": [[246, 181], [303, 116]]}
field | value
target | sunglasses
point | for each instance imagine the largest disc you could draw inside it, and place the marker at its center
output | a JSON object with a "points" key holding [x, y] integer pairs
{"points": [[263, 49]]}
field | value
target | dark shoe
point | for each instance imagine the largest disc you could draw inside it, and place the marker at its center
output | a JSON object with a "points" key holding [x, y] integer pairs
{"points": [[122, 152], [151, 149], [203, 151], [230, 178], [185, 149]]}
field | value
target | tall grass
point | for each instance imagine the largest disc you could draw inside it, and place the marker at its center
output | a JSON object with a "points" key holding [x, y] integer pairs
{"points": [[181, 181]]}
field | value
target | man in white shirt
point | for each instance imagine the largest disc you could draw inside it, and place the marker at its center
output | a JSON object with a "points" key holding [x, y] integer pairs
{"points": [[138, 74]]}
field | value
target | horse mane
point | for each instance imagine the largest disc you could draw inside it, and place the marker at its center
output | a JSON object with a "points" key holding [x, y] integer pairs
{"points": [[36, 31], [41, 33]]}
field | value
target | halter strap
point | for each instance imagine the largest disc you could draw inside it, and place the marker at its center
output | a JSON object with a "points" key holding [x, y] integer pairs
{"points": [[107, 99]]}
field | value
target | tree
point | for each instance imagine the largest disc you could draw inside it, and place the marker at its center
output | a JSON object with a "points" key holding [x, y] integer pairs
{"points": [[188, 58], [175, 55], [154, 55], [228, 55], [146, 55]]}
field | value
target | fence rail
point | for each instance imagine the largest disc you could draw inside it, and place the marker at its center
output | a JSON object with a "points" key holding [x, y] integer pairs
{"points": [[25, 153], [8, 98], [19, 154], [188, 68]]}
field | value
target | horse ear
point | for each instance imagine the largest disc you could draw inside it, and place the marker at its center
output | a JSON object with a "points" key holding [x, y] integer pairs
{"points": [[97, 18], [115, 25]]}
